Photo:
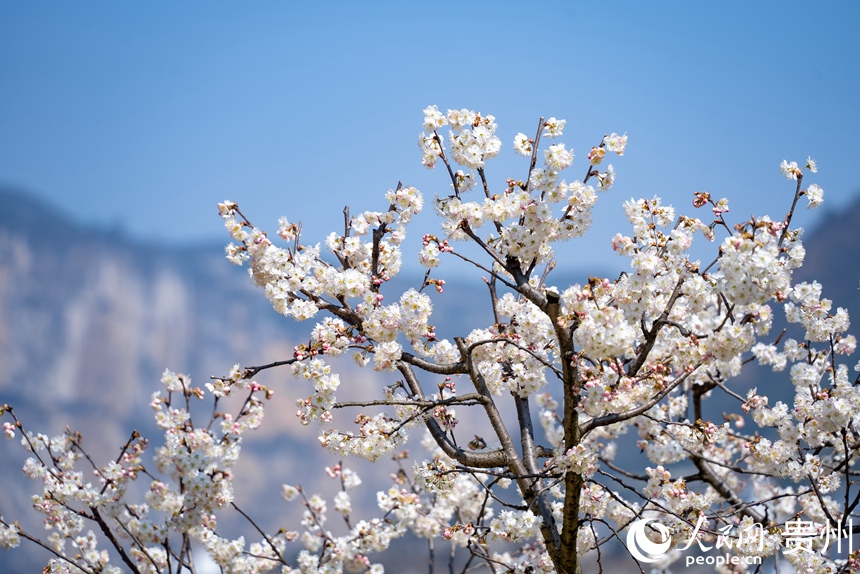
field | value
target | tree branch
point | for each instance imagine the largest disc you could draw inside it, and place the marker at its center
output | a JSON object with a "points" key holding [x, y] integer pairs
{"points": [[618, 417]]}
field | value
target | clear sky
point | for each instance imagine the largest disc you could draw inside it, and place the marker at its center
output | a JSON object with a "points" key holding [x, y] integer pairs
{"points": [[143, 115]]}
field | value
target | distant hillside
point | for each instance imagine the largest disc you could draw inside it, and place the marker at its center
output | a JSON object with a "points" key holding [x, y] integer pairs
{"points": [[833, 258], [92, 319]]}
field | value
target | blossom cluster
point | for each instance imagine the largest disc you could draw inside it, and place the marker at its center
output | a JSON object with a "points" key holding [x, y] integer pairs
{"points": [[641, 355]]}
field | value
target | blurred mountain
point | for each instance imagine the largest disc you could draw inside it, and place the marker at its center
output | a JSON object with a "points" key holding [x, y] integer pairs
{"points": [[89, 320], [833, 257]]}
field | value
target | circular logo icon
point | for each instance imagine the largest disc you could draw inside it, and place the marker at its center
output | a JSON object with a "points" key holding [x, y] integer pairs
{"points": [[641, 548]]}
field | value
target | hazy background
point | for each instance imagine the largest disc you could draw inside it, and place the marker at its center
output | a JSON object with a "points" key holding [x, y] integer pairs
{"points": [[122, 125]]}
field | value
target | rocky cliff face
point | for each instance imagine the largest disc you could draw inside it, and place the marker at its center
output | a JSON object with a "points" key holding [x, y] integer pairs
{"points": [[90, 319]]}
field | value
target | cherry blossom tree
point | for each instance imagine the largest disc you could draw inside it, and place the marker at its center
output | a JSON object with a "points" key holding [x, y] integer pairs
{"points": [[563, 379]]}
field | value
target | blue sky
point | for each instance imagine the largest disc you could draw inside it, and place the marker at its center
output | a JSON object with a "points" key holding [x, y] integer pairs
{"points": [[144, 115]]}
